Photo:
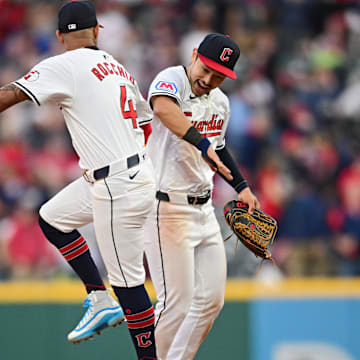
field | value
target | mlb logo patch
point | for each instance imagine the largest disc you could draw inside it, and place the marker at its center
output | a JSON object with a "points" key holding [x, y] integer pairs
{"points": [[72, 26], [167, 86]]}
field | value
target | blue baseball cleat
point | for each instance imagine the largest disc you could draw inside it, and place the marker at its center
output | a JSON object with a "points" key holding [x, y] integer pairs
{"points": [[103, 311]]}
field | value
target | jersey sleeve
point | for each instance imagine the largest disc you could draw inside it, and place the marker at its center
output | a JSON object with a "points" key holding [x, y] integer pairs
{"points": [[50, 80], [143, 109], [168, 82], [221, 142]]}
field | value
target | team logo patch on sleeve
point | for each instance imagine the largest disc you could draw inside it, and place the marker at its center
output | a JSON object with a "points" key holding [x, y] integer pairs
{"points": [[167, 86], [32, 76]]}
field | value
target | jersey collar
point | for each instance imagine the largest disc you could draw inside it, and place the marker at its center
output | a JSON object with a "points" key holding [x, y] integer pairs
{"points": [[93, 47]]}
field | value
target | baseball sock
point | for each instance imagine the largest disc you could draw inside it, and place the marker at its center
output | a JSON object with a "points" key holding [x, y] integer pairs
{"points": [[75, 251], [139, 314]]}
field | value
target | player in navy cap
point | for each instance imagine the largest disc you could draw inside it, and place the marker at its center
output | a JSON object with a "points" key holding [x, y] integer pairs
{"points": [[76, 15], [184, 247], [108, 120], [220, 53]]}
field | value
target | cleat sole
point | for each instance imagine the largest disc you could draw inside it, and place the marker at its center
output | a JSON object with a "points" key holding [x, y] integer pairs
{"points": [[99, 331]]}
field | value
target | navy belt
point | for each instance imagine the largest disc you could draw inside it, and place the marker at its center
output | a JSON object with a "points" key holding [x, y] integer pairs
{"points": [[104, 171], [114, 168], [192, 200]]}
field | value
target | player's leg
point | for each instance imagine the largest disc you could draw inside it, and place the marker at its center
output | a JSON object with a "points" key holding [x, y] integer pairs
{"points": [[121, 206], [170, 255], [59, 218], [208, 299]]}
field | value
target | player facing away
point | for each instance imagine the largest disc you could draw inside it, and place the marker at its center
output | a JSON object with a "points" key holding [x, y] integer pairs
{"points": [[183, 244], [106, 115]]}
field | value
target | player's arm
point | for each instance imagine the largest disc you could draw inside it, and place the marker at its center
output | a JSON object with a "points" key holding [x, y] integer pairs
{"points": [[170, 114], [238, 183], [10, 95]]}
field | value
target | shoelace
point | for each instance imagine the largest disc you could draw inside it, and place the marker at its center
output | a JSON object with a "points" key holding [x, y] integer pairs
{"points": [[87, 304]]}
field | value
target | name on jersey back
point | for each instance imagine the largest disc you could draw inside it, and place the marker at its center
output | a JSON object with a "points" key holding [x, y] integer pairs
{"points": [[105, 69]]}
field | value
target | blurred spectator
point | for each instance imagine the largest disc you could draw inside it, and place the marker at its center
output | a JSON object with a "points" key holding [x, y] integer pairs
{"points": [[12, 18], [347, 229], [25, 250], [304, 233], [349, 189], [117, 33], [294, 125], [203, 17], [274, 185]]}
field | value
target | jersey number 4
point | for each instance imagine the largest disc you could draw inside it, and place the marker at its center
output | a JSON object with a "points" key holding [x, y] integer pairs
{"points": [[127, 114]]}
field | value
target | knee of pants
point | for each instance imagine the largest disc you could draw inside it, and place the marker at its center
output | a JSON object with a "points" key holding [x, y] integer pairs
{"points": [[169, 319], [218, 304], [213, 305], [180, 314], [179, 304], [179, 308], [47, 216]]}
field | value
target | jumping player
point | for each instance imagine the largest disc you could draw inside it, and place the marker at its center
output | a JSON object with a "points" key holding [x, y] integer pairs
{"points": [[107, 117], [183, 244]]}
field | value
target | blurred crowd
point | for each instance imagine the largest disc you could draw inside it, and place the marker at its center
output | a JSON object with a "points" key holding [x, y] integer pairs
{"points": [[294, 127]]}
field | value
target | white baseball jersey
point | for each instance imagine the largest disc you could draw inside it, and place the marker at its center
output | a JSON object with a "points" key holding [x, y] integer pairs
{"points": [[183, 243], [103, 127], [103, 110], [178, 164]]}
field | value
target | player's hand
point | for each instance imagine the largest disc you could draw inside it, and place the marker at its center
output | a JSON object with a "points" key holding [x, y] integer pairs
{"points": [[216, 164], [247, 197]]}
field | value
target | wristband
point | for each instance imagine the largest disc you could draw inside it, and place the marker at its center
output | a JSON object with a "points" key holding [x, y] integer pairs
{"points": [[193, 137], [203, 146]]}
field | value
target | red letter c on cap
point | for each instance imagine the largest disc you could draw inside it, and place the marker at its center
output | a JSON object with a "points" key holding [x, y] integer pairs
{"points": [[225, 55]]}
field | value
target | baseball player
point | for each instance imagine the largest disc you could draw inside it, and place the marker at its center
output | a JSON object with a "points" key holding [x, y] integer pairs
{"points": [[107, 118], [183, 244]]}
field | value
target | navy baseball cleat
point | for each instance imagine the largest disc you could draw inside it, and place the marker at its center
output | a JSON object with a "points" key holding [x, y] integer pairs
{"points": [[103, 311]]}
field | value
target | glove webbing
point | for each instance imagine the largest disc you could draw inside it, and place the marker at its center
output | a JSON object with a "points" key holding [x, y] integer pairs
{"points": [[267, 230]]}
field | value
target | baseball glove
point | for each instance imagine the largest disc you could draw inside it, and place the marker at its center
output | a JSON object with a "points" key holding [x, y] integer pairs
{"points": [[256, 231]]}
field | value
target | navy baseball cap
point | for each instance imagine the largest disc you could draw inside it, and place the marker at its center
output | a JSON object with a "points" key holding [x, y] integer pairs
{"points": [[76, 15], [220, 53]]}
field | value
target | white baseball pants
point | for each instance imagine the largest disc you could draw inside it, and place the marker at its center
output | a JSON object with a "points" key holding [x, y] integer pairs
{"points": [[118, 206], [187, 263]]}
